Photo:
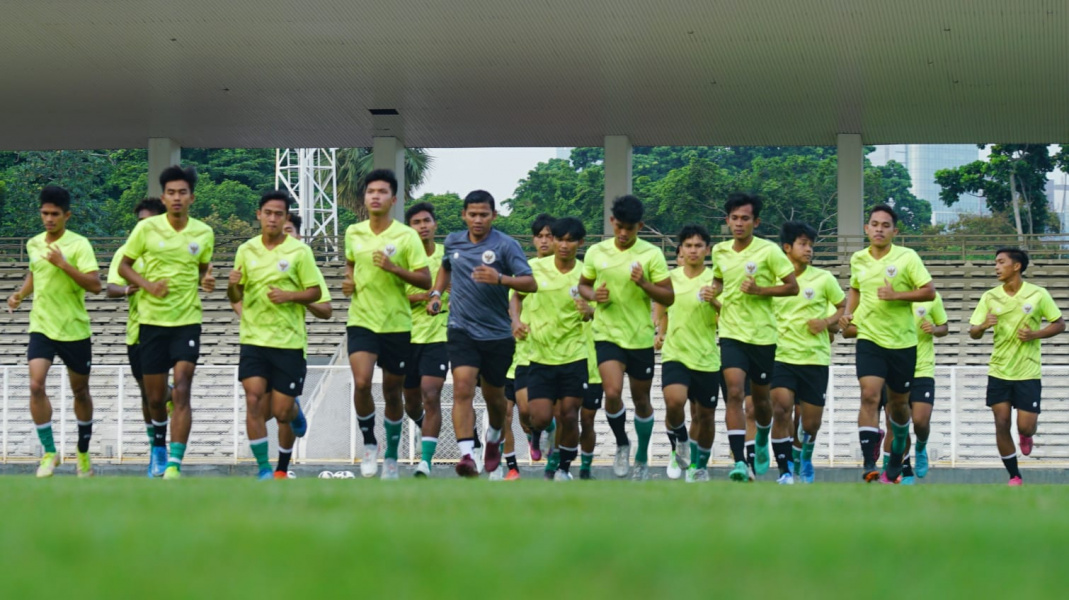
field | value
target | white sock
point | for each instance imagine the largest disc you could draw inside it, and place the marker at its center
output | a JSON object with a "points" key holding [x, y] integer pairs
{"points": [[493, 435], [466, 447]]}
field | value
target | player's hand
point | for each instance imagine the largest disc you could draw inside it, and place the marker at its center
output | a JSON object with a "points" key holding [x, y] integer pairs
{"points": [[434, 306], [584, 307], [637, 274], [708, 293], [485, 274], [277, 296], [132, 289], [380, 260], [601, 294], [13, 302], [235, 277], [846, 321], [55, 256], [749, 286], [658, 341], [887, 292], [158, 289], [207, 283], [990, 321], [927, 326], [849, 332], [817, 325], [520, 330], [348, 287], [1027, 335]]}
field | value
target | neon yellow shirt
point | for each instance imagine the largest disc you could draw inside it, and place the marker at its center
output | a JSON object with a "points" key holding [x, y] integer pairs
{"points": [[933, 312], [58, 309], [175, 256], [886, 323], [133, 329], [1011, 358], [556, 336], [691, 335], [428, 329], [745, 317], [626, 320], [521, 356], [380, 302], [818, 293]]}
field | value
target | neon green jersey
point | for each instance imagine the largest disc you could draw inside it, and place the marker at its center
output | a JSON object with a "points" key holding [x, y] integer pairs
{"points": [[691, 335], [934, 313], [58, 309], [133, 329], [521, 356], [626, 319], [1011, 358], [428, 329], [290, 267], [175, 256], [556, 336], [886, 323], [818, 293], [380, 302], [745, 317]]}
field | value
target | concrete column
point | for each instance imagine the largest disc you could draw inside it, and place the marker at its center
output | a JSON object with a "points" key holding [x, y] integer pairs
{"points": [[851, 154], [162, 153], [617, 173], [389, 153]]}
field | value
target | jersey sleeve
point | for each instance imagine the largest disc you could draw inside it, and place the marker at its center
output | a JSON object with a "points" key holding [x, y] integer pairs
{"points": [[515, 260], [415, 255], [208, 251], [135, 244], [589, 272], [113, 269], [832, 291], [1048, 309], [918, 274], [350, 254], [717, 273], [84, 258], [938, 313], [307, 272], [658, 267], [239, 264], [324, 291], [855, 282], [980, 313], [780, 264]]}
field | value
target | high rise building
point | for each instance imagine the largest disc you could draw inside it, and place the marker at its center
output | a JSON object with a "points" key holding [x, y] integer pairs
{"points": [[922, 161]]}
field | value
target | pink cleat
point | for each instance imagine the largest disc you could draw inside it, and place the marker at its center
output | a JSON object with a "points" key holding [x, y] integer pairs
{"points": [[466, 467], [1026, 445], [492, 456], [883, 479], [1016, 482], [536, 453]]}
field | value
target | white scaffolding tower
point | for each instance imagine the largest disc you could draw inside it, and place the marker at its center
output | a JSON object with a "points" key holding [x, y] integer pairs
{"points": [[310, 176]]}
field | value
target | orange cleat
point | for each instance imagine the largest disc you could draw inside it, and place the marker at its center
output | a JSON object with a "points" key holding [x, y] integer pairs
{"points": [[281, 475], [512, 475]]}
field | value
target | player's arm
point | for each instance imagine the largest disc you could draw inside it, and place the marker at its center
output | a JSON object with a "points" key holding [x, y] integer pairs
{"points": [[89, 281], [441, 284], [924, 293], [519, 328], [321, 310], [586, 288], [127, 272], [304, 297], [207, 280], [660, 292], [1052, 329], [660, 322], [940, 330], [115, 290], [420, 278], [853, 298], [521, 283], [830, 324], [789, 287], [15, 299]]}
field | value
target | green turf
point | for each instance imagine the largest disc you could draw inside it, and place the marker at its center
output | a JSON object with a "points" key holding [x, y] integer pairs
{"points": [[228, 537]]}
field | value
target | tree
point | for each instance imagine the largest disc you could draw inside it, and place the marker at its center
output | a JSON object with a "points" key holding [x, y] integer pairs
{"points": [[447, 207], [354, 164], [891, 184]]}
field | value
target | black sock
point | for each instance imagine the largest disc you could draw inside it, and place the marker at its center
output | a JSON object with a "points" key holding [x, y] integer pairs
{"points": [[751, 453], [567, 455], [736, 441], [907, 469], [510, 461], [672, 439], [475, 437], [1011, 465], [536, 438], [367, 428], [85, 433], [284, 459], [782, 449], [869, 441], [159, 434], [619, 427], [681, 434]]}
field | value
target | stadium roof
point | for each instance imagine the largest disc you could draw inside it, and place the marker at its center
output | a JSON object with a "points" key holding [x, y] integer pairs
{"points": [[267, 73]]}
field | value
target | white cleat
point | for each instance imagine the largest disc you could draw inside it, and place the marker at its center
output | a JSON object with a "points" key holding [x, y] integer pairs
{"points": [[498, 474], [369, 464], [622, 463], [562, 476], [701, 475], [786, 479], [682, 455], [389, 469], [423, 469], [641, 472], [673, 470]]}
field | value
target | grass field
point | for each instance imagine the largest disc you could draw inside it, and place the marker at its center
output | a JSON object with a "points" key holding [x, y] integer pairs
{"points": [[227, 537]]}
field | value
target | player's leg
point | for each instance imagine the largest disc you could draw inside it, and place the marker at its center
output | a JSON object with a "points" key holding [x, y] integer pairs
{"points": [[83, 413], [900, 368], [431, 392], [181, 416], [1026, 399], [362, 365], [782, 419], [410, 392], [133, 355], [155, 355], [810, 419], [871, 369], [509, 446], [254, 373], [288, 374], [611, 365], [464, 381], [552, 435], [592, 399], [675, 385], [735, 420], [495, 357], [41, 407], [1003, 413], [392, 420], [640, 395], [922, 400], [568, 431]]}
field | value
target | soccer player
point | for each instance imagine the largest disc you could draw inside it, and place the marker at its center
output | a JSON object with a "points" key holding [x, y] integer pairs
{"points": [[592, 396], [623, 275], [382, 257], [176, 253], [120, 288], [557, 341], [274, 277], [690, 359], [885, 281], [1016, 311], [747, 269], [803, 351], [62, 269], [481, 264]]}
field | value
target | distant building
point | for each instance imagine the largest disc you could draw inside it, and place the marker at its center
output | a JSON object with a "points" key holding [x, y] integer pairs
{"points": [[922, 161]]}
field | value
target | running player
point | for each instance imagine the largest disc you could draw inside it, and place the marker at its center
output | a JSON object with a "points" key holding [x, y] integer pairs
{"points": [[62, 269], [274, 278], [593, 393], [623, 275], [1016, 311], [382, 257], [803, 351], [885, 280], [176, 251], [747, 269], [482, 264], [690, 359], [120, 288]]}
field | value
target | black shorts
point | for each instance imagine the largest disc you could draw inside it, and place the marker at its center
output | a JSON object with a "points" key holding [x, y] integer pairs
{"points": [[808, 382], [76, 355], [638, 363], [922, 390], [491, 357], [394, 350], [510, 390], [757, 361], [593, 393], [427, 360], [702, 386], [283, 368], [1022, 394], [133, 354], [164, 347], [556, 381], [520, 379], [894, 366]]}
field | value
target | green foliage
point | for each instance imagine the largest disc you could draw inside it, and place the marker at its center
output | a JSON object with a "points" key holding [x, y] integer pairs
{"points": [[447, 208], [355, 163]]}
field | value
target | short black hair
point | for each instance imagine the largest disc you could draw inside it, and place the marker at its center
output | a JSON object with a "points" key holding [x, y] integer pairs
{"points": [[177, 173], [282, 195], [295, 219], [151, 204], [417, 208], [382, 175], [53, 194], [541, 222], [690, 230], [568, 226], [1016, 255], [792, 230], [883, 208], [480, 197], [739, 199], [628, 209]]}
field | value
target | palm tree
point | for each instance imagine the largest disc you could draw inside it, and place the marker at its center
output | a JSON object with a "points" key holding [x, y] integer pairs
{"points": [[355, 163]]}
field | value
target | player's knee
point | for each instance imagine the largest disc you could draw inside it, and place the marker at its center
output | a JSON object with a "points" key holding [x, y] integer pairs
{"points": [[38, 389], [782, 410], [1002, 423]]}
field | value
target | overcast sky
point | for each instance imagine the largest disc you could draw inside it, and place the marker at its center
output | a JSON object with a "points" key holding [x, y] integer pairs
{"points": [[496, 170]]}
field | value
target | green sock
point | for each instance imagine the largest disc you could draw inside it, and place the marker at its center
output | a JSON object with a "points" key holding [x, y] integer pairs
{"points": [[178, 452], [762, 435], [921, 445], [44, 433], [150, 431], [393, 437], [428, 447], [796, 458], [259, 450], [807, 450], [886, 459], [644, 429], [585, 461], [703, 457], [694, 454], [553, 461], [901, 433]]}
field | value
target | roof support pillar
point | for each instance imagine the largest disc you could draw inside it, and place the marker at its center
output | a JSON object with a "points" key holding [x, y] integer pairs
{"points": [[851, 185], [162, 153], [389, 153], [617, 173]]}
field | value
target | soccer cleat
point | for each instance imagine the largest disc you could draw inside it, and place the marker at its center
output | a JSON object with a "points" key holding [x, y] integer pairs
{"points": [[871, 473], [1016, 481], [282, 475], [466, 467], [326, 475], [907, 480], [1026, 444], [157, 463], [512, 475], [785, 479], [673, 471], [894, 467], [641, 472], [761, 459], [585, 474], [369, 464], [498, 475], [49, 462], [886, 480], [741, 472], [562, 476], [689, 476], [299, 424], [172, 472], [389, 469], [807, 471], [701, 475], [536, 453], [492, 455], [265, 474], [423, 469], [682, 455], [622, 463], [343, 475], [84, 467], [920, 463]]}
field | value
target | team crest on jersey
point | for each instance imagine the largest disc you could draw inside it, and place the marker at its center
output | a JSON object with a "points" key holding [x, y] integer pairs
{"points": [[489, 257], [751, 268], [194, 248], [921, 311], [808, 293], [1027, 308], [891, 271], [390, 250], [283, 265]]}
